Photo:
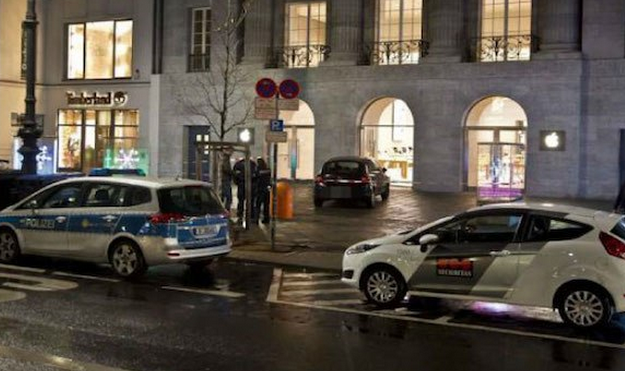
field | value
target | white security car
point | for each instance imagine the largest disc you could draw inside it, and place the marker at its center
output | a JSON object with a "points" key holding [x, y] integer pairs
{"points": [[563, 257], [130, 222]]}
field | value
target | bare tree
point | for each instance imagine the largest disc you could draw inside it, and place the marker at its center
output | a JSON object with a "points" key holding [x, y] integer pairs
{"points": [[216, 96]]}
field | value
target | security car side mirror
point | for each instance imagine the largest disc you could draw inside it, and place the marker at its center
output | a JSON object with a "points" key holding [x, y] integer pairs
{"points": [[33, 205], [428, 239]]}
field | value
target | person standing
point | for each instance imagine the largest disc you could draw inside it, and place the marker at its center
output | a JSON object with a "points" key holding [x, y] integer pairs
{"points": [[226, 181], [263, 190], [239, 181]]}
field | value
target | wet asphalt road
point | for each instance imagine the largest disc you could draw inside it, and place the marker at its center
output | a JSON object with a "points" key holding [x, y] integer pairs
{"points": [[178, 320]]}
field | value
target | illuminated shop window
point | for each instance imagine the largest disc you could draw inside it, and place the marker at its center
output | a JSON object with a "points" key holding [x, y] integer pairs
{"points": [[86, 136], [99, 50]]}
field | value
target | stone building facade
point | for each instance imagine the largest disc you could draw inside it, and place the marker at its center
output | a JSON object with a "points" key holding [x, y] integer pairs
{"points": [[446, 94]]}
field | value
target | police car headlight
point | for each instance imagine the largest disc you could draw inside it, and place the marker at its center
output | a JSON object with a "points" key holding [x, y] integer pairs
{"points": [[359, 249]]}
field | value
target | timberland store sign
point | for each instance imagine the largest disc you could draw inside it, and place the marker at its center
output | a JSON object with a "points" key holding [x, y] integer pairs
{"points": [[96, 99]]}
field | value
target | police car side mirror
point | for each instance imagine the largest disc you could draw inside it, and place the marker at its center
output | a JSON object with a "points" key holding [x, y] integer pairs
{"points": [[33, 205]]}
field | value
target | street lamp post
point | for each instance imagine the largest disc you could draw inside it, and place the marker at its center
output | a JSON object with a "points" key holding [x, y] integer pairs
{"points": [[29, 132]]}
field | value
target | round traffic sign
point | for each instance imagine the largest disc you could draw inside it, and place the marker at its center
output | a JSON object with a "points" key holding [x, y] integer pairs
{"points": [[266, 88], [289, 89]]}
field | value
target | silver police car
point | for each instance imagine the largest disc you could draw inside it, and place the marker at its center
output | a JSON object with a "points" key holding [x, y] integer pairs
{"points": [[130, 222]]}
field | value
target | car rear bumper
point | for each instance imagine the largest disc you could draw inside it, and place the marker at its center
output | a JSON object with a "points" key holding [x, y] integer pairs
{"points": [[198, 254], [167, 250], [342, 192]]}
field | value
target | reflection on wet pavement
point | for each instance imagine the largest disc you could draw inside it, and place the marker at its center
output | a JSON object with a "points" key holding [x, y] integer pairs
{"points": [[326, 291]]}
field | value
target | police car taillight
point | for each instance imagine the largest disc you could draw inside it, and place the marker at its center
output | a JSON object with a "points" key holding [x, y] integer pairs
{"points": [[612, 245], [164, 218]]}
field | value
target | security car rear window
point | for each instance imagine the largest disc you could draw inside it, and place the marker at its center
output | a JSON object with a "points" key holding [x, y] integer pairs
{"points": [[344, 168], [189, 201]]}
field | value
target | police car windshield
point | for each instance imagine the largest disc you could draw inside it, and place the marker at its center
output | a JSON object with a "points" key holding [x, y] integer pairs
{"points": [[189, 201]]}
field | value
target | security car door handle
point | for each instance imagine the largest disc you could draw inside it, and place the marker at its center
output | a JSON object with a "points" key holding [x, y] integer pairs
{"points": [[60, 219], [109, 218], [500, 253]]}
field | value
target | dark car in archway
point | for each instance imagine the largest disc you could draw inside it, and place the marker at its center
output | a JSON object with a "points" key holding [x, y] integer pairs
{"points": [[351, 178]]}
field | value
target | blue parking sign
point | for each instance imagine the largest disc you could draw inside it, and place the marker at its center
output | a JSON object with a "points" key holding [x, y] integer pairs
{"points": [[276, 125]]}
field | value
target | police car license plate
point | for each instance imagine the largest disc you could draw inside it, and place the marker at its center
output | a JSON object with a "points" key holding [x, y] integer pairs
{"points": [[205, 231]]}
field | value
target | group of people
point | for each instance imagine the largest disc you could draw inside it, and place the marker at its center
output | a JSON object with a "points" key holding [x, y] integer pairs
{"points": [[261, 187]]}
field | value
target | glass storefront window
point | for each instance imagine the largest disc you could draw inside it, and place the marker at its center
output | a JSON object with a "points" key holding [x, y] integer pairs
{"points": [[85, 136], [100, 50], [388, 135], [70, 140]]}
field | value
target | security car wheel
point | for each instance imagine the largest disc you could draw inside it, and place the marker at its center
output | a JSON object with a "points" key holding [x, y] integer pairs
{"points": [[9, 247], [386, 192], [127, 260], [585, 307], [384, 287]]}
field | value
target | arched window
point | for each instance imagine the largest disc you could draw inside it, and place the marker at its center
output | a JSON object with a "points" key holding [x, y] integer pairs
{"points": [[387, 135], [495, 120]]}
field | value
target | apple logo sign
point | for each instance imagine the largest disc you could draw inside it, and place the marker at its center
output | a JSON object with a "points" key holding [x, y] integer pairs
{"points": [[552, 140]]}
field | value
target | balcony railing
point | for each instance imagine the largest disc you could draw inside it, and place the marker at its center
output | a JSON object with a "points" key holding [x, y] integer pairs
{"points": [[397, 52], [302, 56], [199, 62], [505, 48]]}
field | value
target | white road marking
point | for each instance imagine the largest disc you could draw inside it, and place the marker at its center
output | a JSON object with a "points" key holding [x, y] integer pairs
{"points": [[338, 302], [309, 275], [22, 286], [272, 297], [57, 362], [24, 269], [10, 295], [228, 294], [318, 292], [275, 284], [311, 283], [95, 278], [39, 283]]}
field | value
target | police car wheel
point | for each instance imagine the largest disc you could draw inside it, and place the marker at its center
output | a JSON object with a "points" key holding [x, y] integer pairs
{"points": [[127, 260], [384, 287], [9, 247], [585, 307]]}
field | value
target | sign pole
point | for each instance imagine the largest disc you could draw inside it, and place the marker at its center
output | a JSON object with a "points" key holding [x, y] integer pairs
{"points": [[274, 185]]}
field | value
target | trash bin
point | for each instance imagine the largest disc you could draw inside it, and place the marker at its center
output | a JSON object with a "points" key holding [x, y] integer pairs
{"points": [[285, 201]]}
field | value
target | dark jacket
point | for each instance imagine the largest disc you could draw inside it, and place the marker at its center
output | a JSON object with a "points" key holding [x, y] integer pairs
{"points": [[239, 172]]}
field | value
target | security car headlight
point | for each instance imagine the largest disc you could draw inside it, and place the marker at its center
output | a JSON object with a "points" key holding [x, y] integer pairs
{"points": [[359, 249]]}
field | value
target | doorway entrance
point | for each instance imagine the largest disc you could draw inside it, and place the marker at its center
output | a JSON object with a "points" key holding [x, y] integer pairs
{"points": [[495, 120], [197, 134], [296, 157]]}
